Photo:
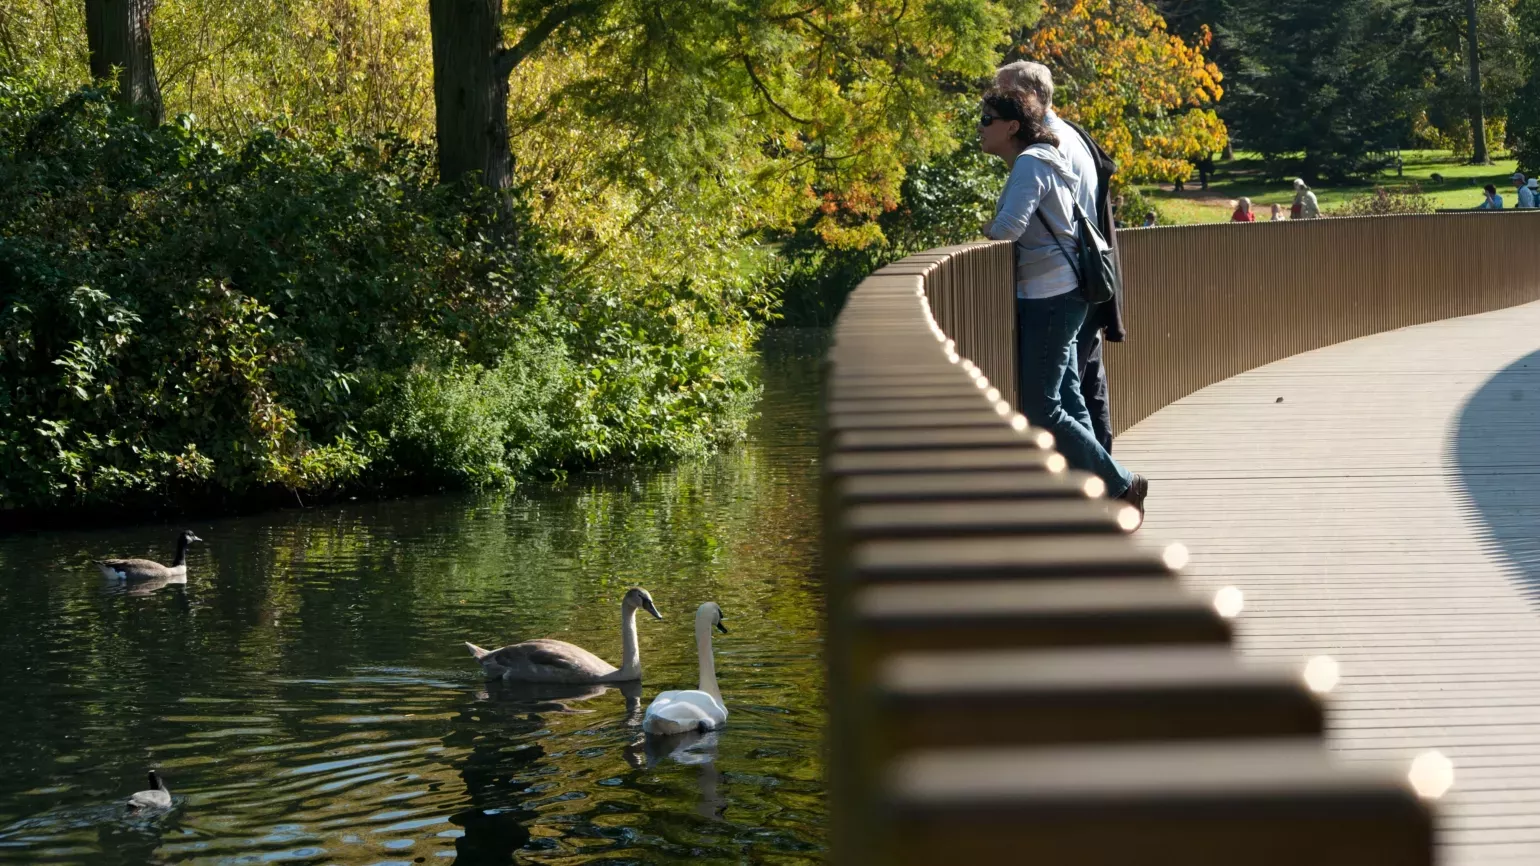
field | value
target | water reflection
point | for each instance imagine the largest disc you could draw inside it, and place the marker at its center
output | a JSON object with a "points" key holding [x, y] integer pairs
{"points": [[307, 697], [140, 588]]}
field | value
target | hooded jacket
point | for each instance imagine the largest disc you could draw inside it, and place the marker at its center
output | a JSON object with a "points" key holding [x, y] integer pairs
{"points": [[1040, 178]]}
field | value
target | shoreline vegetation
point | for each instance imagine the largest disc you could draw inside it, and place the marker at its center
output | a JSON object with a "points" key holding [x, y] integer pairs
{"points": [[192, 323]]}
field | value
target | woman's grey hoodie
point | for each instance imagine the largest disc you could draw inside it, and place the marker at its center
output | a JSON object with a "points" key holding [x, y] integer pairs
{"points": [[1041, 177]]}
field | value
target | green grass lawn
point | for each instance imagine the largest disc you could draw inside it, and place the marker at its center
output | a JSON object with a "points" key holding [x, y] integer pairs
{"points": [[1460, 186]]}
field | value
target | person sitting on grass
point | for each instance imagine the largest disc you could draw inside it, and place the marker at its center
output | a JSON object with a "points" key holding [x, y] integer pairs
{"points": [[1493, 200], [1243, 212]]}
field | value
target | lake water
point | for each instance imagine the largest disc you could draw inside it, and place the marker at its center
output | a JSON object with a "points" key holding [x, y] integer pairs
{"points": [[308, 700]]}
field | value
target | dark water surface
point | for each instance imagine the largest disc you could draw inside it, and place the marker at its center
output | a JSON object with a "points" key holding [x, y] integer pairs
{"points": [[307, 697]]}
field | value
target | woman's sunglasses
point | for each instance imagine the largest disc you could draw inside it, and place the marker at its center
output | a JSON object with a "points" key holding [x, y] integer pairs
{"points": [[987, 119]]}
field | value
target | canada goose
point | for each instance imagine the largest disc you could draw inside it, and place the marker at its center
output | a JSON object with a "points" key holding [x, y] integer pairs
{"points": [[556, 661], [158, 797], [699, 709], [145, 569]]}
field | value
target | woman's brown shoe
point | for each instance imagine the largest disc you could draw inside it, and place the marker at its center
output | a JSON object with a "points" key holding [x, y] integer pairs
{"points": [[1137, 490]]}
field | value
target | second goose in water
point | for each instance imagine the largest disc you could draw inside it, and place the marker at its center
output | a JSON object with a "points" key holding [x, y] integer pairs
{"points": [[556, 661]]}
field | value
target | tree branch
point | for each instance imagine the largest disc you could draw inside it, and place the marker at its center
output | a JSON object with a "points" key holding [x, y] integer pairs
{"points": [[765, 92], [641, 214], [534, 37]]}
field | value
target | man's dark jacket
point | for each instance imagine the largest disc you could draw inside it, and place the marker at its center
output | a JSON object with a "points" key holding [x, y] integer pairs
{"points": [[1108, 316]]}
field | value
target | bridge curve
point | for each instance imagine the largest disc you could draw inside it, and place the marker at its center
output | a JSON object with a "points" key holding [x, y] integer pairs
{"points": [[1011, 674], [1380, 502]]}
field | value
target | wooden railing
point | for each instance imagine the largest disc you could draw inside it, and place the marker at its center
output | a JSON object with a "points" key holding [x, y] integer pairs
{"points": [[1205, 303], [1012, 678]]}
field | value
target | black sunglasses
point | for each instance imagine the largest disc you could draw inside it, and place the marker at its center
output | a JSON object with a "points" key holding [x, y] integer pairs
{"points": [[987, 119]]}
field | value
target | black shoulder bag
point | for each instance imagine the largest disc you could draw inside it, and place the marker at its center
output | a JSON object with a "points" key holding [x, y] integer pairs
{"points": [[1097, 268]]}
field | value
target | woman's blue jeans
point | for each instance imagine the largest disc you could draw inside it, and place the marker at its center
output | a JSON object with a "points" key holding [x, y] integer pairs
{"points": [[1047, 330]]}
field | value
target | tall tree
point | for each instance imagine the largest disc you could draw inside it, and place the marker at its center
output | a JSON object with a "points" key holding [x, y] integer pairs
{"points": [[118, 37], [1338, 84], [470, 78], [775, 107], [1476, 61], [1524, 112], [1478, 121]]}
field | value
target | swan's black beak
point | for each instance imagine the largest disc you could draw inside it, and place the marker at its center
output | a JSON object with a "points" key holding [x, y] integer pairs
{"points": [[721, 628], [652, 608]]}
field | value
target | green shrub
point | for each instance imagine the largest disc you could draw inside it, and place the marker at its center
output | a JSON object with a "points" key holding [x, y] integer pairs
{"points": [[185, 319], [1384, 202], [1136, 206]]}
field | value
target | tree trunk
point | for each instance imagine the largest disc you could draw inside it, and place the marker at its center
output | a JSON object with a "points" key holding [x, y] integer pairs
{"points": [[118, 37], [470, 91], [1478, 123]]}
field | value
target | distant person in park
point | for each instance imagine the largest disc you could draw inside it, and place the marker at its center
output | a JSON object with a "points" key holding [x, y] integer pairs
{"points": [[1093, 170], [1205, 168], [1277, 213], [1525, 198], [1243, 212], [1149, 220], [1492, 201], [1117, 213], [1036, 212], [1305, 206], [1534, 190]]}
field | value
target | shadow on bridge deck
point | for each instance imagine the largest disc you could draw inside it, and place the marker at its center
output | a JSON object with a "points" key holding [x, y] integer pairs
{"points": [[1496, 448]]}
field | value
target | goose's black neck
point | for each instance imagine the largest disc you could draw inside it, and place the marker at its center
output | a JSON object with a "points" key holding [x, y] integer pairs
{"points": [[181, 551], [155, 783]]}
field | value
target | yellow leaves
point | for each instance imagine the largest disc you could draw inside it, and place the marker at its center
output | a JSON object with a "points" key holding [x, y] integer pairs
{"points": [[1140, 90]]}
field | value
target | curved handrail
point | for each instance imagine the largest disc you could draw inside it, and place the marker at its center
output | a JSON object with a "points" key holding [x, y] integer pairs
{"points": [[951, 524]]}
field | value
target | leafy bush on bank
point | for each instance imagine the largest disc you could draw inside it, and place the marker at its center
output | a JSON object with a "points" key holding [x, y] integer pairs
{"points": [[188, 320], [1386, 202]]}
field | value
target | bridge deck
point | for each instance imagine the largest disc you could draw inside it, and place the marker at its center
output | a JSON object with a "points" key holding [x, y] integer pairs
{"points": [[1379, 501]]}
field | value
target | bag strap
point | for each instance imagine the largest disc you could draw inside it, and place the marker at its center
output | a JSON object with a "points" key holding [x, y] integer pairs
{"points": [[1056, 242]]}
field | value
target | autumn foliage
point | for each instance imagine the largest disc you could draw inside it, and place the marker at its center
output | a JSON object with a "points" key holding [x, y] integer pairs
{"points": [[1146, 95]]}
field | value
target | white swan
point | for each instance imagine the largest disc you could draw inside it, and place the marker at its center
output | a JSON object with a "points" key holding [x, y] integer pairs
{"points": [[556, 661], [696, 709]]}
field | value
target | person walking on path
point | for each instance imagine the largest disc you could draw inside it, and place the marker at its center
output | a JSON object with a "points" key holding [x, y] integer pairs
{"points": [[1092, 169], [1525, 198], [1035, 211], [1277, 213], [1243, 212], [1305, 206]]}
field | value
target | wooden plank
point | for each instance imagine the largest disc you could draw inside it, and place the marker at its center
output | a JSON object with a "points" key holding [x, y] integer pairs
{"points": [[1038, 697], [1274, 803]]}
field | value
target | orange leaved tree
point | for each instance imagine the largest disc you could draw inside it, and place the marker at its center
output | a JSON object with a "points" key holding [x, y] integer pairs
{"points": [[1143, 93]]}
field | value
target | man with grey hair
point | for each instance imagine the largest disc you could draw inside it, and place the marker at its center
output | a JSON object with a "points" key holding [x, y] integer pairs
{"points": [[1091, 169]]}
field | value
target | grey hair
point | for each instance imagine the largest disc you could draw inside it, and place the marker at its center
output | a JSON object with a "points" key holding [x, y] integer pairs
{"points": [[1027, 75]]}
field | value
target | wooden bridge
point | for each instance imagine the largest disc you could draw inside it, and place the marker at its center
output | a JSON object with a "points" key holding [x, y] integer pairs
{"points": [[1342, 663]]}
